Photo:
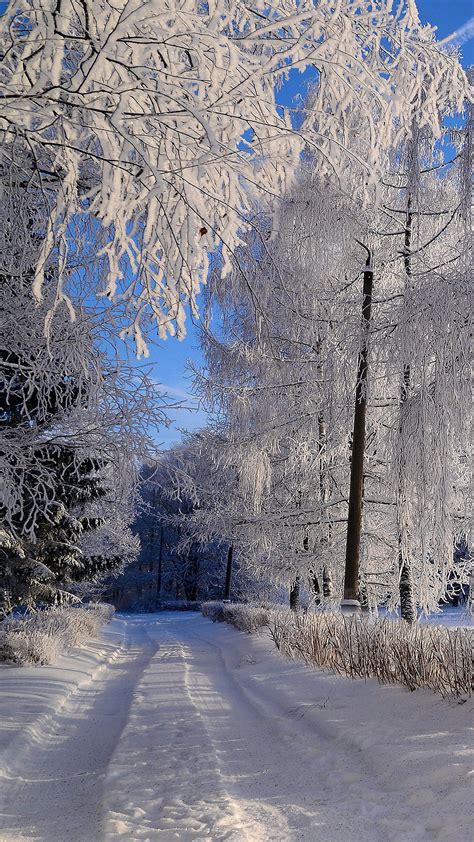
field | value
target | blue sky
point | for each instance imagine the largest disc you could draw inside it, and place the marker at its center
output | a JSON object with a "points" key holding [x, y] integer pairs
{"points": [[169, 358]]}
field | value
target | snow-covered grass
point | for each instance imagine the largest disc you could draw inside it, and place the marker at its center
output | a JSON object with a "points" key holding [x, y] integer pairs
{"points": [[40, 638], [248, 618], [391, 651]]}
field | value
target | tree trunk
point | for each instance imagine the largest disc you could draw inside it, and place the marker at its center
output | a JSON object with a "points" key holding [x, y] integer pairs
{"points": [[327, 582], [324, 493], [195, 567], [151, 560], [295, 594], [160, 565], [316, 589], [407, 603], [228, 572], [356, 491], [364, 596]]}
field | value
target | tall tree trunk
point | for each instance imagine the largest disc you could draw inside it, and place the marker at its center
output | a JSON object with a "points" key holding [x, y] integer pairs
{"points": [[195, 567], [327, 582], [364, 595], [356, 491], [228, 572], [295, 594], [316, 588], [407, 602], [151, 543], [160, 565], [324, 495]]}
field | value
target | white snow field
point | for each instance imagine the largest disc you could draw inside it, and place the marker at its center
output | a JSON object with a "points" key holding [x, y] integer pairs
{"points": [[170, 727]]}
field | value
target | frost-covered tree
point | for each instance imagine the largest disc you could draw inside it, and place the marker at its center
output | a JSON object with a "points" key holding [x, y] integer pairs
{"points": [[154, 127], [62, 391], [75, 546], [297, 331], [389, 242], [111, 546], [280, 376], [201, 511], [423, 339], [276, 377], [73, 423]]}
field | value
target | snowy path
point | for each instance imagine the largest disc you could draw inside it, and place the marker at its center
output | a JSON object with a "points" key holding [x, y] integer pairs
{"points": [[174, 728]]}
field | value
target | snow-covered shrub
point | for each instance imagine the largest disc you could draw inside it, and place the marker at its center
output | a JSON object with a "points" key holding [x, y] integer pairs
{"points": [[42, 637], [214, 611], [248, 618], [102, 610]]}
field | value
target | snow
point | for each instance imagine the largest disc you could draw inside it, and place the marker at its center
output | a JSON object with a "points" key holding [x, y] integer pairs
{"points": [[449, 616], [170, 727]]}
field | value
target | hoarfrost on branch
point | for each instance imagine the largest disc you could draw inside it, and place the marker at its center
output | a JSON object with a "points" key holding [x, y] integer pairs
{"points": [[161, 121]]}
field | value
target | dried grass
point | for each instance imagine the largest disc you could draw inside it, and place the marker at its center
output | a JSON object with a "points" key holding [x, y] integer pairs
{"points": [[391, 651]]}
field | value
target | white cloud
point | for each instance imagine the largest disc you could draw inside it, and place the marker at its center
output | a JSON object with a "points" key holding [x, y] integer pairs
{"points": [[461, 35]]}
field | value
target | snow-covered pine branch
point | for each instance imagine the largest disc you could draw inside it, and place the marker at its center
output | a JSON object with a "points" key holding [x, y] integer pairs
{"points": [[74, 425]]}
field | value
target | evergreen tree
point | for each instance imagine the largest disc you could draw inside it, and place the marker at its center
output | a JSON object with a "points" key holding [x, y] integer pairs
{"points": [[69, 432]]}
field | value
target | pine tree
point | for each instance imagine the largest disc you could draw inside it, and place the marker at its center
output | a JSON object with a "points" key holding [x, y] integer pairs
{"points": [[59, 465]]}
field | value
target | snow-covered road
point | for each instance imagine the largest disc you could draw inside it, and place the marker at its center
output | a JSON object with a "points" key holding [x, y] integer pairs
{"points": [[173, 728]]}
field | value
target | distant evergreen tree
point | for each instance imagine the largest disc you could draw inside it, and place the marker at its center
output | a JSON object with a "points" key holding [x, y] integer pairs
{"points": [[169, 566], [42, 569], [51, 478]]}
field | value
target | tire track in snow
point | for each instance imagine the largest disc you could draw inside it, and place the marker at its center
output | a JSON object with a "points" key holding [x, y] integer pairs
{"points": [[163, 781], [208, 754], [359, 768], [279, 752], [52, 780]]}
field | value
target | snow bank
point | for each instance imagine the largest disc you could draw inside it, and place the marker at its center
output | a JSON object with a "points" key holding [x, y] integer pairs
{"points": [[42, 637], [391, 651]]}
